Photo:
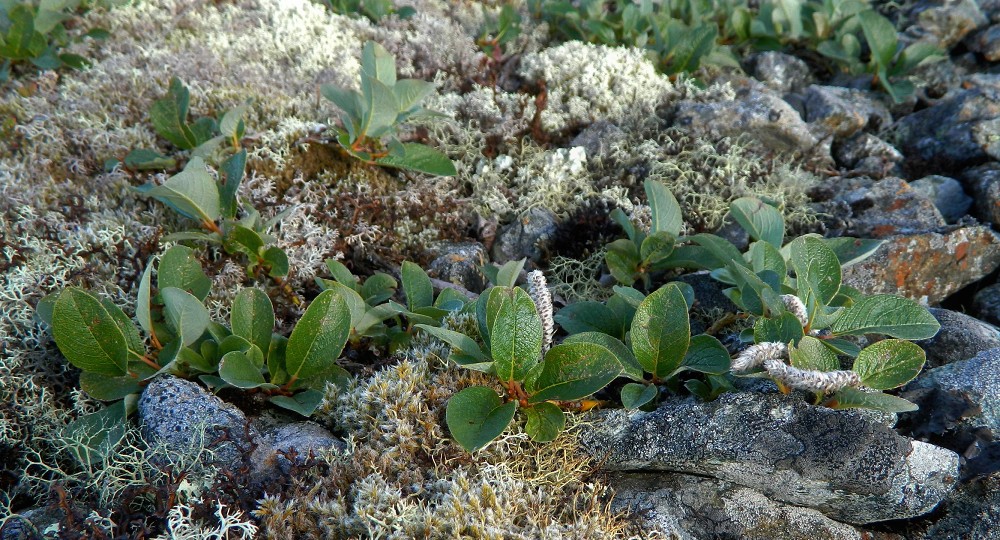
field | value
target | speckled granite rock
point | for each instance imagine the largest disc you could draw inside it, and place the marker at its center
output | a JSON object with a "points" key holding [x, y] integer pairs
{"points": [[841, 463], [459, 263], [886, 208], [525, 237], [928, 266]]}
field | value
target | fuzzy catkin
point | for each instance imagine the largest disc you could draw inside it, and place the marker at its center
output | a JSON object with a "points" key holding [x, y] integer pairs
{"points": [[755, 355], [795, 306], [810, 379], [539, 292]]}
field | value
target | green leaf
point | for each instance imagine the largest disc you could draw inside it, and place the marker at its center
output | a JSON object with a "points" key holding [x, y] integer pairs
{"points": [[169, 117], [94, 436], [619, 217], [635, 395], [378, 288], [180, 268], [881, 37], [573, 371], [812, 354], [372, 317], [630, 367], [143, 298], [465, 345], [589, 316], [380, 108], [142, 159], [661, 331], [764, 256], [477, 415], [22, 41], [817, 271], [410, 92], [886, 314], [185, 314], [133, 340], [783, 328], [656, 248], [717, 252], [253, 317], [348, 101], [304, 402], [762, 221], [107, 388], [237, 369], [545, 422], [377, 63], [341, 274], [421, 158], [667, 216], [706, 354], [889, 363], [87, 334], [417, 286], [852, 250], [232, 170], [240, 239], [852, 398], [508, 274], [319, 337], [841, 346], [623, 261], [515, 332], [276, 260], [229, 126], [192, 193]]}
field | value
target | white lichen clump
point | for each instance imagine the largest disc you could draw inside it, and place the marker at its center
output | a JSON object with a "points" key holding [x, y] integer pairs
{"points": [[587, 82]]}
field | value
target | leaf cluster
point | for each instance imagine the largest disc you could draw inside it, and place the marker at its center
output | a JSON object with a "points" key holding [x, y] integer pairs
{"points": [[370, 117], [374, 10], [499, 30], [35, 32]]}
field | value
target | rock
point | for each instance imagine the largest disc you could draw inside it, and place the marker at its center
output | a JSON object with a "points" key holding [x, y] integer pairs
{"points": [[961, 337], [840, 463], [779, 71], [460, 263], [983, 183], [843, 112], [866, 154], [949, 23], [886, 208], [298, 439], [950, 135], [975, 381], [987, 134], [598, 138], [525, 237], [987, 43], [755, 109], [929, 266], [986, 303], [17, 527], [692, 507], [971, 512], [947, 195], [178, 414]]}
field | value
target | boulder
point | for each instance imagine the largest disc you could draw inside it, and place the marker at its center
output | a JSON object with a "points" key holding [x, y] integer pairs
{"points": [[961, 337], [946, 194]]}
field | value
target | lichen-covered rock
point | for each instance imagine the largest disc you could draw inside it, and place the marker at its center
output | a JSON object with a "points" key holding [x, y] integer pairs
{"points": [[841, 463], [947, 195], [780, 71], [987, 43], [886, 208], [986, 303], [929, 266], [694, 507], [754, 109], [977, 380], [181, 416], [951, 134], [961, 337], [946, 23], [460, 263], [972, 512], [984, 184], [865, 154], [298, 439], [843, 111], [598, 138], [525, 237]]}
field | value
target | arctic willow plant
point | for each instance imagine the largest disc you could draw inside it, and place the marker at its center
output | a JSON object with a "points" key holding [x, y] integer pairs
{"points": [[538, 378], [370, 117], [98, 338]]}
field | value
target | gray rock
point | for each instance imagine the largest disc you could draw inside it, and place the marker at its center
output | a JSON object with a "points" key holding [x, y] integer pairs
{"points": [[983, 183], [527, 236], [298, 439], [947, 195], [886, 208], [929, 266], [986, 303], [972, 512], [866, 154], [948, 135], [947, 23], [987, 134], [460, 263], [780, 72], [846, 466], [975, 381], [987, 43], [961, 337], [17, 527], [843, 112], [176, 412], [694, 507], [597, 138], [755, 109]]}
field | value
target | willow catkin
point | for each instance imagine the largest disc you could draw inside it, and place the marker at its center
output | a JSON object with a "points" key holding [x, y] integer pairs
{"points": [[810, 379], [539, 292], [755, 355]]}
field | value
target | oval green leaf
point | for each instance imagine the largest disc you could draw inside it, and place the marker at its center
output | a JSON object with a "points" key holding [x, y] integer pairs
{"points": [[515, 332], [852, 398], [87, 334], [630, 366], [812, 354], [889, 363], [237, 369], [253, 317], [706, 355], [185, 314], [635, 395], [661, 331], [761, 220], [476, 415], [667, 216], [574, 371], [589, 316], [417, 286], [886, 314], [545, 422], [180, 268], [304, 402], [319, 337]]}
